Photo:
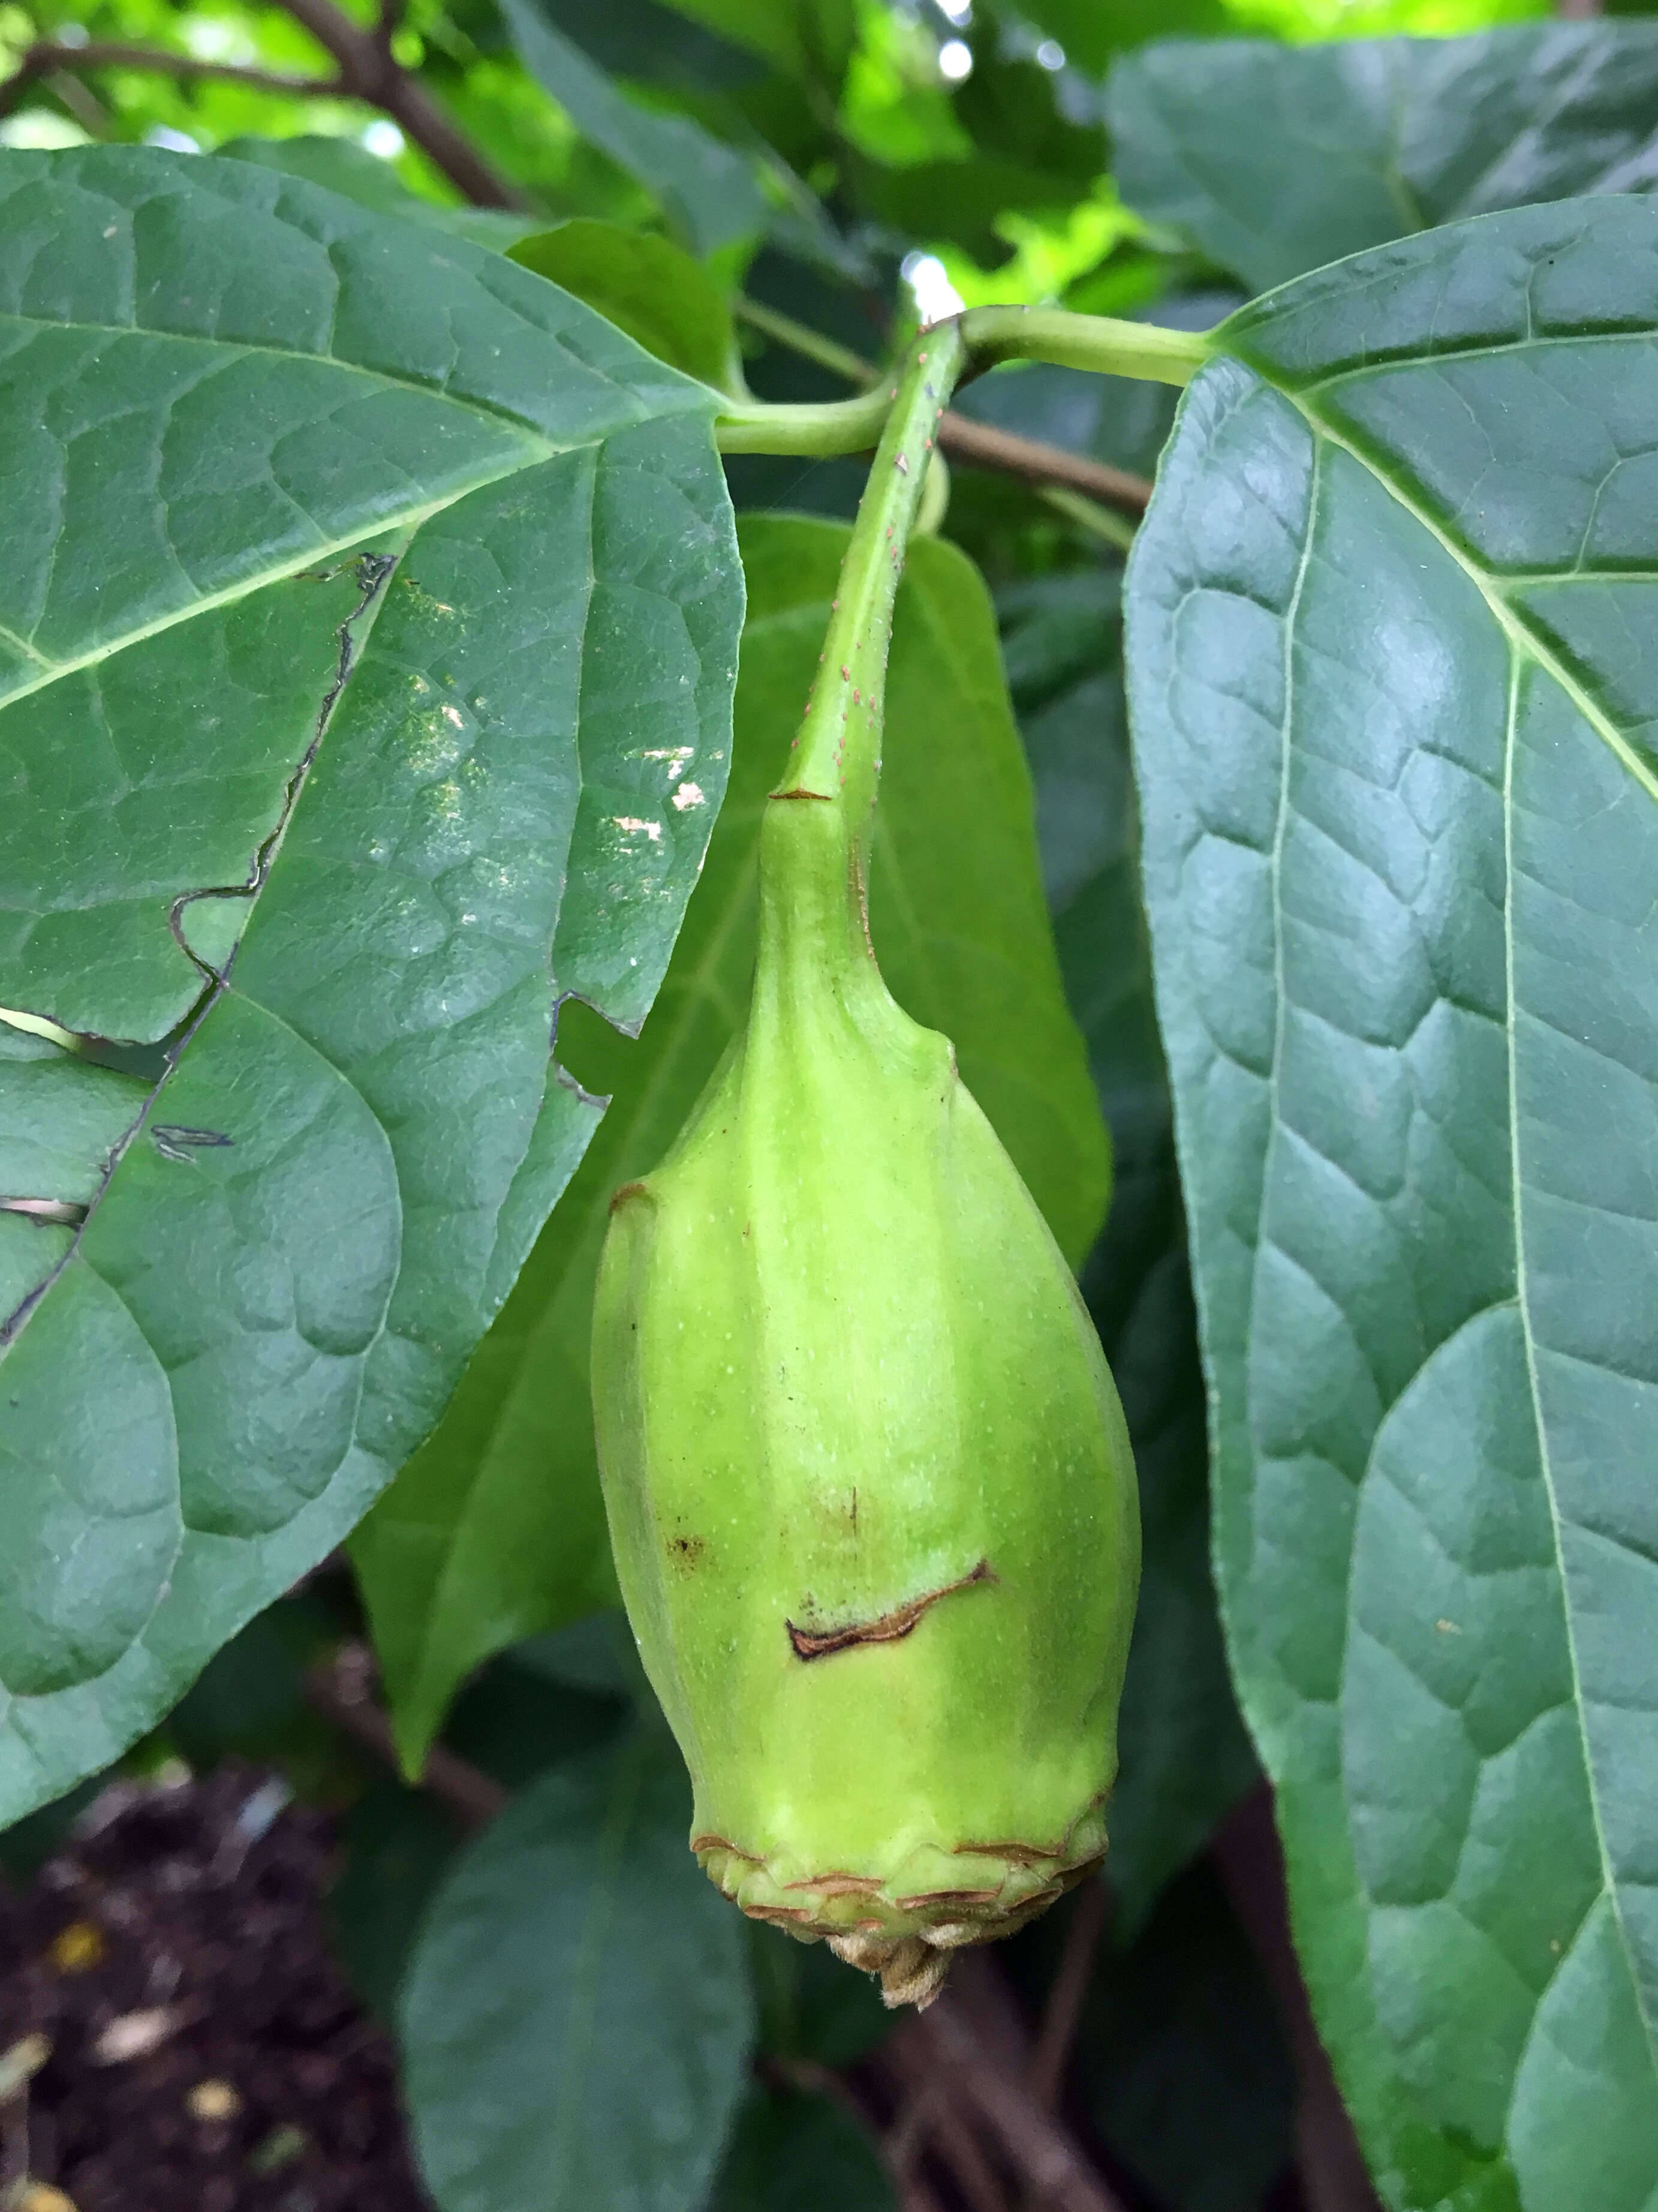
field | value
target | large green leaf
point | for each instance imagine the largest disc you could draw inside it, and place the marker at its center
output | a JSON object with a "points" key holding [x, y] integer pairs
{"points": [[495, 1530], [708, 192], [1184, 1758], [1276, 161], [1393, 679], [576, 2017], [414, 799]]}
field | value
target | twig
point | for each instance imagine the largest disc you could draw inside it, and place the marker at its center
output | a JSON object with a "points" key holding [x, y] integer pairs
{"points": [[926, 2118], [369, 73], [977, 443], [46, 59], [1045, 2075], [1047, 2156], [341, 1691], [1332, 2171], [985, 448]]}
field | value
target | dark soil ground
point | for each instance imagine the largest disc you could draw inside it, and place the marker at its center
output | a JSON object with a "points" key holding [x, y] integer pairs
{"points": [[206, 2054]]}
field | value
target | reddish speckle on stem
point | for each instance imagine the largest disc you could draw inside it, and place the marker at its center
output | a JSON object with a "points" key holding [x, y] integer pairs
{"points": [[857, 699], [835, 604], [846, 674], [921, 356], [929, 444]]}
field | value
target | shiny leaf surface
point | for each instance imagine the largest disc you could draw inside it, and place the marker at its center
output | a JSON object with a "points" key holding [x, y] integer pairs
{"points": [[1391, 628], [334, 826]]}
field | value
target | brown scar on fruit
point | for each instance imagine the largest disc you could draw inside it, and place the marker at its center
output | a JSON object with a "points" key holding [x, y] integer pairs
{"points": [[889, 1628], [838, 1884], [627, 1191], [824, 795], [687, 1550], [712, 1843]]}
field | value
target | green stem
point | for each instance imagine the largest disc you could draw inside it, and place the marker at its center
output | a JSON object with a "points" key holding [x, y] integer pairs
{"points": [[838, 751], [988, 334], [833, 426], [1096, 342], [814, 837]]}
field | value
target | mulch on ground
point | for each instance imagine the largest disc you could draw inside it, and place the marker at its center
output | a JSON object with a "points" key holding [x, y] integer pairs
{"points": [[206, 2053]]}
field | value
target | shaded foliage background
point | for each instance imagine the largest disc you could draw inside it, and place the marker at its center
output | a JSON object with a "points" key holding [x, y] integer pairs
{"points": [[759, 192]]}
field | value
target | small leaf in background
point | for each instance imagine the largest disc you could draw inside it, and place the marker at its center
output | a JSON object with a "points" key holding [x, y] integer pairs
{"points": [[1184, 1758], [799, 2151], [396, 1844], [708, 192], [1275, 161], [647, 286], [438, 802], [1392, 618], [495, 1530], [576, 2019]]}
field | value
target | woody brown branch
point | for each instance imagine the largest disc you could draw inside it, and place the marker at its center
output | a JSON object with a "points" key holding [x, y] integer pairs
{"points": [[47, 58], [368, 73]]}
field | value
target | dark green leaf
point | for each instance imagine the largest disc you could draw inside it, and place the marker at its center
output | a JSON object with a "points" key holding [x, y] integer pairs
{"points": [[958, 203], [1181, 2060], [1392, 624], [811, 40], [576, 2017], [1275, 161], [429, 804], [1184, 1758], [647, 286], [1093, 31], [793, 2152], [398, 1844], [495, 1530], [655, 45], [1010, 108], [708, 192]]}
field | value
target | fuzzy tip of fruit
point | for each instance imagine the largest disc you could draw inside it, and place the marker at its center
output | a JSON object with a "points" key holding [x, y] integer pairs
{"points": [[905, 1925]]}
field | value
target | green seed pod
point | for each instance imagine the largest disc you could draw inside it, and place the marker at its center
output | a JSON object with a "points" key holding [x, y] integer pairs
{"points": [[870, 1490]]}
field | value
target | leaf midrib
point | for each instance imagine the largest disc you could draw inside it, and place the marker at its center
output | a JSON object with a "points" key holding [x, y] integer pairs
{"points": [[1521, 636], [1523, 643]]}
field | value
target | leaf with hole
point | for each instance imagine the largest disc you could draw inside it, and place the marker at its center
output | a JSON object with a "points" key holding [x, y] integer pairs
{"points": [[355, 588], [1391, 624]]}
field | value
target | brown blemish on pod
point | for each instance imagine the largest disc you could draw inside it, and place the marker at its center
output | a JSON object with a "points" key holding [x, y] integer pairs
{"points": [[888, 1628]]}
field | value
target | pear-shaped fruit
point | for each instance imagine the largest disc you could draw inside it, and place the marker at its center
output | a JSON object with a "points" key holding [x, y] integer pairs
{"points": [[870, 1489]]}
